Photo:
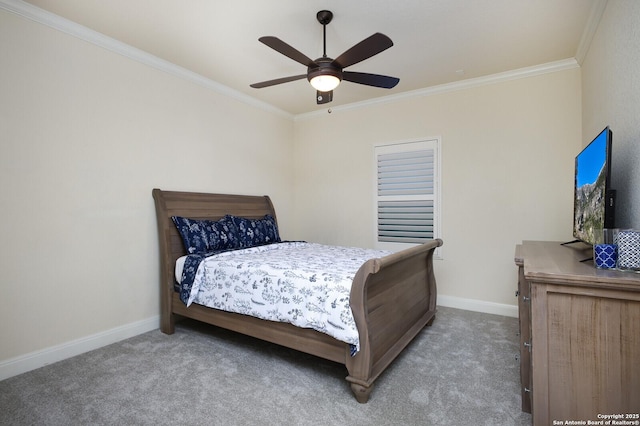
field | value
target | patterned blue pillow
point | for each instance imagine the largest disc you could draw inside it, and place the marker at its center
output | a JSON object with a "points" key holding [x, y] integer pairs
{"points": [[255, 232], [201, 236]]}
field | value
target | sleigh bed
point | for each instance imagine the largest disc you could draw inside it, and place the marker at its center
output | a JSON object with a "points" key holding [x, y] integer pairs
{"points": [[392, 298]]}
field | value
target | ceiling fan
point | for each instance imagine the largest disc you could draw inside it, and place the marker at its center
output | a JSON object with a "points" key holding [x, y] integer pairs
{"points": [[326, 73]]}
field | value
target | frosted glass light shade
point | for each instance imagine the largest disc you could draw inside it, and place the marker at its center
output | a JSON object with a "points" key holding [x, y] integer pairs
{"points": [[325, 83]]}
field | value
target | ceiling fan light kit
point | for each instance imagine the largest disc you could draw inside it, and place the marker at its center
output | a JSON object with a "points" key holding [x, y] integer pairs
{"points": [[324, 77], [325, 73], [324, 83]]}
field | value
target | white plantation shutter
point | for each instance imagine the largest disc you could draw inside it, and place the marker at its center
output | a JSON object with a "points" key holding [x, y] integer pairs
{"points": [[407, 192], [405, 221]]}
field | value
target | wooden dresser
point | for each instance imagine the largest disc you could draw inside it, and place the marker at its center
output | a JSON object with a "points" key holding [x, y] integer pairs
{"points": [[580, 336]]}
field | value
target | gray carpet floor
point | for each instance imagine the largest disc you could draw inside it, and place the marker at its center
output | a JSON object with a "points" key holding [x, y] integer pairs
{"points": [[460, 371]]}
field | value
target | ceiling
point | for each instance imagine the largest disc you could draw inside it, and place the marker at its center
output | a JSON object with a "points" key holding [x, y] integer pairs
{"points": [[435, 41]]}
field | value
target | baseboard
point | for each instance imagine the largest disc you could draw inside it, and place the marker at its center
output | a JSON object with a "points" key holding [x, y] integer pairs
{"points": [[31, 361], [478, 306]]}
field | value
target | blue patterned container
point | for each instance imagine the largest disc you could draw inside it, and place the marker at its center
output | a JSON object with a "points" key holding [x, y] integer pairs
{"points": [[605, 256], [629, 249]]}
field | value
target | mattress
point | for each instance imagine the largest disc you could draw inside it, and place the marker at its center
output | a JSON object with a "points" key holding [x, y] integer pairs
{"points": [[304, 284]]}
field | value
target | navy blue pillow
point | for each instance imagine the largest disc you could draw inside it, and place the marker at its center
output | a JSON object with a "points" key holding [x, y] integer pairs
{"points": [[201, 235], [255, 232]]}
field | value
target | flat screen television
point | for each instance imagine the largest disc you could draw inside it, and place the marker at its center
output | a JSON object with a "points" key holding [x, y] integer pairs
{"points": [[594, 200]]}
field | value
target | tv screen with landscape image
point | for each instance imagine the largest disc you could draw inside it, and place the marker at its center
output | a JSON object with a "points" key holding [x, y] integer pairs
{"points": [[593, 197]]}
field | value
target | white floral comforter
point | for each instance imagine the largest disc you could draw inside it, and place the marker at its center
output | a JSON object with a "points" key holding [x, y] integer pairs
{"points": [[305, 284]]}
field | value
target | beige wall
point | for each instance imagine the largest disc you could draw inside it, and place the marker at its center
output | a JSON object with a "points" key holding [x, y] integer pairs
{"points": [[611, 97], [507, 174], [85, 136]]}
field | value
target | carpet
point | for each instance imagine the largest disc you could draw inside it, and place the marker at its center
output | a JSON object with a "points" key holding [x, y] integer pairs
{"points": [[460, 371]]}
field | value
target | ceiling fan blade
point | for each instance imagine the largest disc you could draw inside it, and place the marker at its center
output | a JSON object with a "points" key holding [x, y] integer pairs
{"points": [[324, 97], [282, 47], [365, 49], [376, 80], [277, 81]]}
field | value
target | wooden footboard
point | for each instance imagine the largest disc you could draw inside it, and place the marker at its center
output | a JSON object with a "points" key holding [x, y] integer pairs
{"points": [[392, 298]]}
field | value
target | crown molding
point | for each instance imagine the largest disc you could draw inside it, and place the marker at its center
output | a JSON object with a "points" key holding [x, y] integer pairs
{"points": [[527, 72], [590, 29], [33, 13]]}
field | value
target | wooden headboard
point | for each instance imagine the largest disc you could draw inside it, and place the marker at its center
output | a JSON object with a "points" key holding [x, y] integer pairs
{"points": [[196, 205]]}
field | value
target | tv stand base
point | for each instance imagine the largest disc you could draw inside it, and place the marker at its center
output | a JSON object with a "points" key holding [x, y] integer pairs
{"points": [[575, 242]]}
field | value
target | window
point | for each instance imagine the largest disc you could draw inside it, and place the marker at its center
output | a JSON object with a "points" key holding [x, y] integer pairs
{"points": [[407, 193]]}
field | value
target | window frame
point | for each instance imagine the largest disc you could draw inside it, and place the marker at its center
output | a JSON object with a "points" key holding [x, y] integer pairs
{"points": [[435, 143]]}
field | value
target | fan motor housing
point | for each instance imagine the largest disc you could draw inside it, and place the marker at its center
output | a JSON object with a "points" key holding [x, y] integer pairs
{"points": [[324, 66]]}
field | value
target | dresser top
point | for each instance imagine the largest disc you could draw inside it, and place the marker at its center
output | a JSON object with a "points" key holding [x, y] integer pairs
{"points": [[552, 262]]}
